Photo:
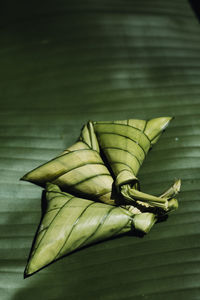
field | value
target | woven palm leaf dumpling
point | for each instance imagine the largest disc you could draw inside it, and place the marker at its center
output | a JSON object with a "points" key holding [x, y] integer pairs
{"points": [[125, 145], [70, 223], [81, 170]]}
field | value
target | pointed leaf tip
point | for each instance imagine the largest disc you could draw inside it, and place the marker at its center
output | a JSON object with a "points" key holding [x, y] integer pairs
{"points": [[155, 127], [23, 178], [28, 273], [177, 186], [173, 190]]}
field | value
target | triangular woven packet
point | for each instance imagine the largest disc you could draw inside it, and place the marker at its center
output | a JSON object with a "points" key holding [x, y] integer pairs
{"points": [[79, 170], [125, 145], [70, 223]]}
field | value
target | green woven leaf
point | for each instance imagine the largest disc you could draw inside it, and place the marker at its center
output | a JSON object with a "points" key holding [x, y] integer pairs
{"points": [[125, 144], [79, 169], [64, 63], [70, 223]]}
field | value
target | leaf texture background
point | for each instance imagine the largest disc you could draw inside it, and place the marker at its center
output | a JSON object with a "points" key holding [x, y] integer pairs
{"points": [[64, 64]]}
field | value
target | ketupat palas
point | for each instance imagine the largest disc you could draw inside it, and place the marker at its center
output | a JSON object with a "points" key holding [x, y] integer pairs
{"points": [[70, 223], [125, 145], [81, 170]]}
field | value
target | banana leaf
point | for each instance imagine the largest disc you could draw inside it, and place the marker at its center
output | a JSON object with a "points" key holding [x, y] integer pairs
{"points": [[70, 223], [64, 63]]}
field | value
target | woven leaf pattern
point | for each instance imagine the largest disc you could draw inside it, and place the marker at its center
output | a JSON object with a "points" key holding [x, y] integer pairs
{"points": [[81, 170], [70, 223], [78, 169], [126, 143]]}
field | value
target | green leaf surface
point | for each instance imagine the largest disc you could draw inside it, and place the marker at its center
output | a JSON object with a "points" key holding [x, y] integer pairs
{"points": [[68, 62]]}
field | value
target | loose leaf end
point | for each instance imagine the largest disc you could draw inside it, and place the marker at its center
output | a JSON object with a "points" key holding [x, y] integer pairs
{"points": [[144, 221]]}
